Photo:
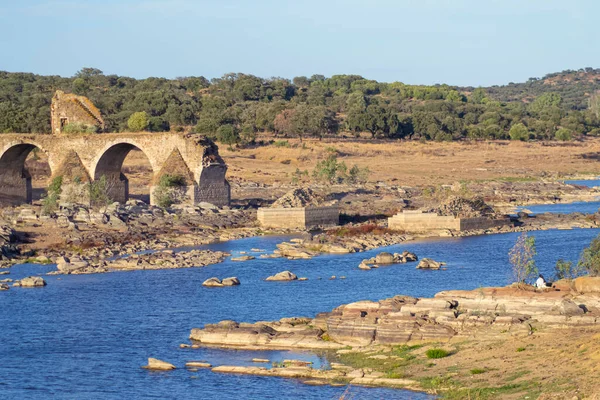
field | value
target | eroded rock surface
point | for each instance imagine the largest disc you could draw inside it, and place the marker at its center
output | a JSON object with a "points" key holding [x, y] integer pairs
{"points": [[403, 319]]}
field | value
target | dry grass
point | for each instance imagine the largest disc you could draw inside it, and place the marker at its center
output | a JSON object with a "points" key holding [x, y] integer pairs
{"points": [[415, 163]]}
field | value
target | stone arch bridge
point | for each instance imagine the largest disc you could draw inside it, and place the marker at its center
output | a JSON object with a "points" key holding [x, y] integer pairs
{"points": [[87, 158]]}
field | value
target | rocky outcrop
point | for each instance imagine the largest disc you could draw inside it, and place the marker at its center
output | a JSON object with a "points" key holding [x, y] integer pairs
{"points": [[283, 276], [7, 239], [165, 259], [587, 284], [385, 258], [465, 208], [158, 365], [30, 281], [428, 263], [403, 319], [216, 282]]}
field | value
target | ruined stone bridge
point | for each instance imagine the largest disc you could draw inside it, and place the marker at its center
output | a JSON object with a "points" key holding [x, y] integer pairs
{"points": [[84, 158]]}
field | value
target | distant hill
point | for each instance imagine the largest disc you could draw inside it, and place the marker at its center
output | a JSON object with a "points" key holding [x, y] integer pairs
{"points": [[235, 107], [575, 88]]}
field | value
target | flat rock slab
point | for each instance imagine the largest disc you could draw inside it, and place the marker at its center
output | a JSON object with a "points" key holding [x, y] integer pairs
{"points": [[158, 365]]}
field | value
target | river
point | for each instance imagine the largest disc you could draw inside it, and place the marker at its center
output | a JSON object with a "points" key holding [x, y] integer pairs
{"points": [[86, 336]]}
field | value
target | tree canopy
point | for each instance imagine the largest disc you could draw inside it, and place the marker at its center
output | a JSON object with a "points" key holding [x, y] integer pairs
{"points": [[562, 105]]}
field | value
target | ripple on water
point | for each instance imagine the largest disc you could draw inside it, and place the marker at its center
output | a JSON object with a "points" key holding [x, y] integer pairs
{"points": [[86, 336]]}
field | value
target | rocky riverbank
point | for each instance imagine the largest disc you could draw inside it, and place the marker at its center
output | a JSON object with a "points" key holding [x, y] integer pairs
{"points": [[435, 344]]}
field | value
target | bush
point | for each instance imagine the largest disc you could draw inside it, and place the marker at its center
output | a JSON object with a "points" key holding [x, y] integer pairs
{"points": [[99, 192], [169, 190], [50, 202], [565, 270], [330, 170], [590, 258], [358, 175], [519, 132], [138, 121], [77, 127], [477, 371], [437, 353], [521, 258], [563, 134]]}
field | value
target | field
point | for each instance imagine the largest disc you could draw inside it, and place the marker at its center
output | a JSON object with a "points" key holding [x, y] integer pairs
{"points": [[415, 163]]}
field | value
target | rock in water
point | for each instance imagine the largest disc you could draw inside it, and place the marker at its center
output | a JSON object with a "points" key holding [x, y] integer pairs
{"points": [[216, 282], [4, 286], [31, 281], [384, 258], [242, 258], [158, 365], [233, 281], [283, 276], [428, 263]]}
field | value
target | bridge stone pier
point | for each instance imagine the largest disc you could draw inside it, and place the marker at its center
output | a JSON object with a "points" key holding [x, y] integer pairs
{"points": [[83, 158]]}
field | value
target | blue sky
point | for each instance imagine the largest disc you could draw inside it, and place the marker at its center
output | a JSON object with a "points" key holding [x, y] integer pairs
{"points": [[459, 42]]}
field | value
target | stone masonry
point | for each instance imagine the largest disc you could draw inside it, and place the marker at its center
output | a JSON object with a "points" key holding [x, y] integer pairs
{"points": [[69, 108], [88, 157]]}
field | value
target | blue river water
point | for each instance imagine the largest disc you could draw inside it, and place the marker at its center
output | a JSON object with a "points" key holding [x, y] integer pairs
{"points": [[584, 207], [86, 336]]}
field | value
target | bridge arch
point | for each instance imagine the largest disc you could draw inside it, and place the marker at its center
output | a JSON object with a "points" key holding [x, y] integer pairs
{"points": [[15, 180], [109, 164]]}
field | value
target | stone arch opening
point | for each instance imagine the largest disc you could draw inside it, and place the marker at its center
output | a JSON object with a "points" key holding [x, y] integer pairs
{"points": [[127, 171], [23, 168]]}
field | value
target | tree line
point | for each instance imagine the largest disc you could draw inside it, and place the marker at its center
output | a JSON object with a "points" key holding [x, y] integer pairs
{"points": [[236, 107]]}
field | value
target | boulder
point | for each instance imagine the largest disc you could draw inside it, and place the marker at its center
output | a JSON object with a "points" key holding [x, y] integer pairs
{"points": [[4, 286], [587, 284], [428, 263], [158, 365], [283, 276], [384, 258], [233, 281], [31, 281], [212, 282], [216, 282]]}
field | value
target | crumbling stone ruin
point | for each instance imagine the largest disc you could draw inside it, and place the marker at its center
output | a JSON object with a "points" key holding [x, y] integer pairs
{"points": [[67, 108]]}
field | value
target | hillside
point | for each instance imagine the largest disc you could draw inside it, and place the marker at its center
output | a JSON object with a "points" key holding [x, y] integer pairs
{"points": [[236, 107]]}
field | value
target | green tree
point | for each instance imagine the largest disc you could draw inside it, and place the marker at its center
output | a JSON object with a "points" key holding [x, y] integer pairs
{"points": [[521, 258], [590, 258], [138, 121], [228, 134], [519, 132]]}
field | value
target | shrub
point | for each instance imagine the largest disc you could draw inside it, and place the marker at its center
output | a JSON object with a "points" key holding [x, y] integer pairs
{"points": [[519, 132], [477, 371], [169, 190], [50, 202], [358, 175], [281, 143], [99, 192], [563, 134], [330, 170], [437, 353], [521, 258], [565, 270], [77, 127], [590, 258], [138, 121]]}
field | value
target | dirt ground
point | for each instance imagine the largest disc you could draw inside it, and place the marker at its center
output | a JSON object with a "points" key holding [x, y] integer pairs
{"points": [[415, 163]]}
